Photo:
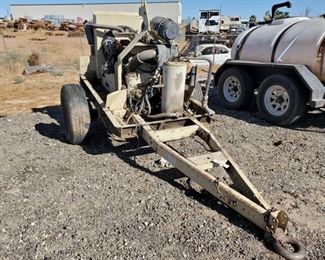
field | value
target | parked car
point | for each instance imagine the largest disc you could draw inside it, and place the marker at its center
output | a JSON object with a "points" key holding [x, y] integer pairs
{"points": [[218, 54]]}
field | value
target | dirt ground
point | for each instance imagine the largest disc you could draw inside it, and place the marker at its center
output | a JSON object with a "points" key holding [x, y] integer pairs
{"points": [[21, 93], [110, 200], [94, 201]]}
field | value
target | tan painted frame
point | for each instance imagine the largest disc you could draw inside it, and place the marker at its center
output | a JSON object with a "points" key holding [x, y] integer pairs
{"points": [[241, 196]]}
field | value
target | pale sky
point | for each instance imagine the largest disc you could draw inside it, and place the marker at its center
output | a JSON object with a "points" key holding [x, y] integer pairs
{"points": [[243, 8]]}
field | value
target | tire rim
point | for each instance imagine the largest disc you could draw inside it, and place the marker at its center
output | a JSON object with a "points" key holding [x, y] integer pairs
{"points": [[276, 100], [232, 89]]}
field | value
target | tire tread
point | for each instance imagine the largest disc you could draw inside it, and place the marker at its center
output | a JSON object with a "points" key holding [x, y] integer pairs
{"points": [[247, 87], [298, 102], [75, 113]]}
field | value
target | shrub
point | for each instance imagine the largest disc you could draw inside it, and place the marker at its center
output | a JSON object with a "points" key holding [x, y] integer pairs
{"points": [[18, 80], [33, 59]]}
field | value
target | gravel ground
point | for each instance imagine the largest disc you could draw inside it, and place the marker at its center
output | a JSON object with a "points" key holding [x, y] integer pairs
{"points": [[59, 201]]}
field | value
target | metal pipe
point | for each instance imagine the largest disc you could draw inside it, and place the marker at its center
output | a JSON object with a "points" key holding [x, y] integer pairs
{"points": [[125, 27], [193, 76], [158, 86], [89, 29], [208, 83], [146, 98], [118, 65], [277, 6], [140, 58], [104, 26], [164, 115], [141, 106]]}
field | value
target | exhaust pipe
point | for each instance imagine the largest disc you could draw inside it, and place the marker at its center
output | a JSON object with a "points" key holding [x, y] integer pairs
{"points": [[277, 6]]}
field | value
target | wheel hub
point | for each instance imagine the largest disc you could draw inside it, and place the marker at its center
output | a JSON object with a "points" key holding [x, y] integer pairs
{"points": [[232, 89], [276, 100]]}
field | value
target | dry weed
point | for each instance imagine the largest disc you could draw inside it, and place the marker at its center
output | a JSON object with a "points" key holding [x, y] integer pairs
{"points": [[18, 80], [34, 59]]}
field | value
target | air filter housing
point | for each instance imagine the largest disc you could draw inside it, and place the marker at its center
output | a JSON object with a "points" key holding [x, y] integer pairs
{"points": [[166, 28]]}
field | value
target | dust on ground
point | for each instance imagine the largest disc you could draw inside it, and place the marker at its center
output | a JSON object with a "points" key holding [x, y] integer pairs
{"points": [[21, 93]]}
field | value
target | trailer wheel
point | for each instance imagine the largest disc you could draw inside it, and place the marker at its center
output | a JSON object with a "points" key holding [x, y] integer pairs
{"points": [[280, 100], [76, 115], [235, 88]]}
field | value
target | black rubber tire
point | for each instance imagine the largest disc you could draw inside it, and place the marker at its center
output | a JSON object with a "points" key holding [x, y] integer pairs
{"points": [[297, 100], [76, 115], [247, 89]]}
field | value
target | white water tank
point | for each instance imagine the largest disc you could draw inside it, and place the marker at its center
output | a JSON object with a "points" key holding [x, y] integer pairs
{"points": [[298, 40]]}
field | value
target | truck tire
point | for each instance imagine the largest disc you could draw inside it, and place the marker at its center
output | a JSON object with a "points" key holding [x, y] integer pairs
{"points": [[76, 115], [235, 88], [281, 100]]}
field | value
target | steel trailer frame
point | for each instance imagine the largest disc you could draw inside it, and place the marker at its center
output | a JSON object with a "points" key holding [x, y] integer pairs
{"points": [[241, 196]]}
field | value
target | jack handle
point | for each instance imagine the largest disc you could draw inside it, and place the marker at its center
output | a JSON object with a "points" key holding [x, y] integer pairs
{"points": [[208, 83]]}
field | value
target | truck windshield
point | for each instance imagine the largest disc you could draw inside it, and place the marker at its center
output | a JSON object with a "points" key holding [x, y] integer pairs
{"points": [[208, 15], [211, 23]]}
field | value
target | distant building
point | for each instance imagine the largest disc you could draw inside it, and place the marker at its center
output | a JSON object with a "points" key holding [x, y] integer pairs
{"points": [[55, 19], [229, 22], [168, 9]]}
